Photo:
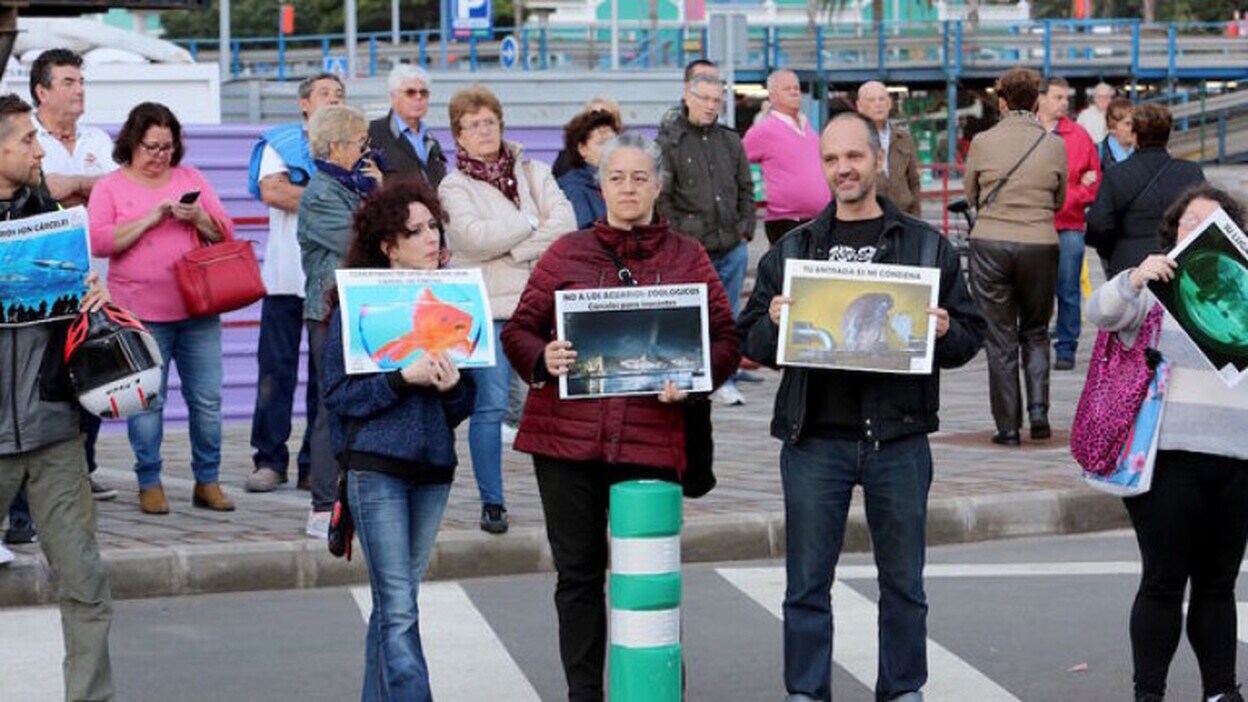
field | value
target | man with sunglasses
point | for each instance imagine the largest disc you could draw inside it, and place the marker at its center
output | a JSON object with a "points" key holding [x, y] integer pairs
{"points": [[402, 136], [281, 166]]}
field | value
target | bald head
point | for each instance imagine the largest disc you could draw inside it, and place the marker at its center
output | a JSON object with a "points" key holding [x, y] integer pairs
{"points": [[874, 102], [784, 92]]}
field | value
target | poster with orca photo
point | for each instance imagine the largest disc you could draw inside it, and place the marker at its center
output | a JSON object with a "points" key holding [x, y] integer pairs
{"points": [[859, 316], [44, 262], [630, 340], [1208, 295], [392, 317]]}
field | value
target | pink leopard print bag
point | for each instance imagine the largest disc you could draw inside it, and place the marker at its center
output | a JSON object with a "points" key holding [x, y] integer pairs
{"points": [[1116, 385]]}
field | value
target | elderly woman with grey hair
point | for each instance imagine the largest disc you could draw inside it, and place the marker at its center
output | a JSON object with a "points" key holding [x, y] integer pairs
{"points": [[345, 173], [402, 136], [581, 446]]}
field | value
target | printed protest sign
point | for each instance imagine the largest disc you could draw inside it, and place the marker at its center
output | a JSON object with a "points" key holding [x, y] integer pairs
{"points": [[1208, 295], [858, 316], [44, 261], [630, 340], [391, 317]]}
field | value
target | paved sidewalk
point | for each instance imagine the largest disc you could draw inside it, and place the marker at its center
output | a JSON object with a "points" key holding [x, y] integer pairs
{"points": [[980, 491]]}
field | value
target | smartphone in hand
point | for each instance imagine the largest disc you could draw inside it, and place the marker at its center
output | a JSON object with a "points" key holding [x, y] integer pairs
{"points": [[189, 197]]}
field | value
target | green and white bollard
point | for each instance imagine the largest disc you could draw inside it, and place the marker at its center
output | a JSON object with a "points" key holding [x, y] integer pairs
{"points": [[645, 592]]}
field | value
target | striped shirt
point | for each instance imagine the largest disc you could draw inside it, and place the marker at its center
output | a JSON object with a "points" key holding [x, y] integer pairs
{"points": [[1202, 414]]}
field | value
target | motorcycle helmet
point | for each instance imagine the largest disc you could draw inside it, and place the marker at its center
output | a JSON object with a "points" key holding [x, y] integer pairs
{"points": [[114, 364]]}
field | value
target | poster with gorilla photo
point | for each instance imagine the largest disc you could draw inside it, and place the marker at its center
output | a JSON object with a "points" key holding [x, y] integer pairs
{"points": [[1208, 295], [629, 341], [858, 316]]}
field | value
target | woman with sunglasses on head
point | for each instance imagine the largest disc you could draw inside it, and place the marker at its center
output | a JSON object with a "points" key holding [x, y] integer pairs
{"points": [[144, 217], [346, 172], [505, 210], [394, 435]]}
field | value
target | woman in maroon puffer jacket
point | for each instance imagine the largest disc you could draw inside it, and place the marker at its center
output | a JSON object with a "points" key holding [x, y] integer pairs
{"points": [[581, 446]]}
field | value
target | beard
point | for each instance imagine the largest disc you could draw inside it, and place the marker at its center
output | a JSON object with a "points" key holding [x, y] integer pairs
{"points": [[855, 195]]}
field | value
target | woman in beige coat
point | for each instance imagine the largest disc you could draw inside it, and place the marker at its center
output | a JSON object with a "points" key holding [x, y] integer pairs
{"points": [[1016, 177], [504, 211]]}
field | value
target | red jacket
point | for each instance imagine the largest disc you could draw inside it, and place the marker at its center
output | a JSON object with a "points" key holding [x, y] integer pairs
{"points": [[1081, 157], [636, 430]]}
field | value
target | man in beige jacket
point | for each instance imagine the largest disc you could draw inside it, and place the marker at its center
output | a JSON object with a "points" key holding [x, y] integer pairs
{"points": [[899, 180], [1016, 178]]}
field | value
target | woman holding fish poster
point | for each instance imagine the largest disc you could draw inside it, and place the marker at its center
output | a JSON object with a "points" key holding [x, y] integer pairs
{"points": [[504, 211], [394, 436], [581, 446]]}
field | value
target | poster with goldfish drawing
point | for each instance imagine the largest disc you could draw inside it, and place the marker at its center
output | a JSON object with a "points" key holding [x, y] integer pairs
{"points": [[868, 317], [391, 317]]}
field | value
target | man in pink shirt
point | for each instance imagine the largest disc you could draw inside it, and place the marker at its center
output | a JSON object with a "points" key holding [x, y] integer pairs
{"points": [[787, 148]]}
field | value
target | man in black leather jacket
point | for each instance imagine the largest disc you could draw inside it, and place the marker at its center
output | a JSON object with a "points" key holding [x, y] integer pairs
{"points": [[842, 428]]}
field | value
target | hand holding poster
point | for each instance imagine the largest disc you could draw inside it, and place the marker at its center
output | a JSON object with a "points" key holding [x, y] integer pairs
{"points": [[391, 317], [44, 261], [858, 316], [1208, 295], [630, 340]]}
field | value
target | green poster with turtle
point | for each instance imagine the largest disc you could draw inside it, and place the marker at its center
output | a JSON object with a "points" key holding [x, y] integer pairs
{"points": [[1208, 294]]}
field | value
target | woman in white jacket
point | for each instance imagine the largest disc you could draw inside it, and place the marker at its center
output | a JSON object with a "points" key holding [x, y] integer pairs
{"points": [[504, 211]]}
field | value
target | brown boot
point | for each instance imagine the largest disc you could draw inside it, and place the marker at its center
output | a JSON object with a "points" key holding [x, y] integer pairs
{"points": [[209, 496], [152, 500]]}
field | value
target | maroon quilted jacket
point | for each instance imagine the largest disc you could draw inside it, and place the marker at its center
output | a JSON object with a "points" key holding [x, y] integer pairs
{"points": [[624, 430]]}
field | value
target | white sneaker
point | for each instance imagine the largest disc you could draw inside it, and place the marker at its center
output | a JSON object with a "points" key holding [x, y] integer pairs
{"points": [[318, 524], [509, 433], [6, 556], [728, 394]]}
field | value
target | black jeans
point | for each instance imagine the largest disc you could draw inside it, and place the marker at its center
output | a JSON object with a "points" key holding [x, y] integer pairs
{"points": [[323, 469], [575, 496], [1192, 525]]}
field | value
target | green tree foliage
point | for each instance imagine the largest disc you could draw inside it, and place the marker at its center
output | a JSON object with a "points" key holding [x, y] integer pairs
{"points": [[260, 18], [1166, 11]]}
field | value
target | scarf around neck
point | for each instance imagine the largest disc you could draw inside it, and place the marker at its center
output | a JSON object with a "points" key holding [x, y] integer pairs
{"points": [[501, 174], [354, 181]]}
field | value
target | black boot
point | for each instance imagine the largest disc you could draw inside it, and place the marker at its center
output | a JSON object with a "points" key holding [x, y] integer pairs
{"points": [[1038, 418]]}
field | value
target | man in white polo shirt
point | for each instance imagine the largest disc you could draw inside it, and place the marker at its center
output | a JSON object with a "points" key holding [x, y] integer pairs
{"points": [[75, 155]]}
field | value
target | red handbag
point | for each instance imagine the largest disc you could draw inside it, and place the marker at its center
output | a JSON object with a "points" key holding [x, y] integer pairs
{"points": [[218, 278]]}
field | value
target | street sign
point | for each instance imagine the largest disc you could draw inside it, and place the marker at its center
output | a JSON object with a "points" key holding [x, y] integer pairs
{"points": [[472, 17], [334, 64], [508, 52], [727, 38]]}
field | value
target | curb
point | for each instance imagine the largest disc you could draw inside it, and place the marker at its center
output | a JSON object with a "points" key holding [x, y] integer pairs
{"points": [[279, 565]]}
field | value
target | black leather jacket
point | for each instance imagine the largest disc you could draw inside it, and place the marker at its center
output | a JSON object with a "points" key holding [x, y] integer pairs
{"points": [[893, 406]]}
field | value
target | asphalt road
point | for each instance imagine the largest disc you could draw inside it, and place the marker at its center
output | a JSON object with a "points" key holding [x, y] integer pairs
{"points": [[1034, 619]]}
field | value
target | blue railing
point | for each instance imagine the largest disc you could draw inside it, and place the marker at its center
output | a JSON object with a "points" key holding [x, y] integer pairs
{"points": [[923, 50]]}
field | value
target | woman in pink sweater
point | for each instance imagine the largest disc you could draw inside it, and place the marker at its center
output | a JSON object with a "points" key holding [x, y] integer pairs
{"points": [[144, 217]]}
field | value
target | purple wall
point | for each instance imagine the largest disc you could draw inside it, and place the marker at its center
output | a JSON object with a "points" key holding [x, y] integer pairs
{"points": [[222, 153]]}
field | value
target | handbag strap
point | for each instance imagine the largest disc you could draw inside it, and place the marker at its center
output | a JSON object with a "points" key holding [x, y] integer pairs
{"points": [[621, 270], [991, 197], [1147, 186]]}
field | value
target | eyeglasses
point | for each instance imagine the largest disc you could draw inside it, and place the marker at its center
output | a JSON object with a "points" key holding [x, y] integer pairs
{"points": [[709, 99], [488, 124], [1189, 221], [410, 93], [156, 149]]}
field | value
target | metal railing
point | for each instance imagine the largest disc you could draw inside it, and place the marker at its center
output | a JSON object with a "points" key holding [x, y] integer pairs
{"points": [[950, 48]]}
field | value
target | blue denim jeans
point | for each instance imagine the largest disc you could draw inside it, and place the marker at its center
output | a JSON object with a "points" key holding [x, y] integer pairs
{"points": [[281, 330], [1069, 295], [731, 267], [484, 439], [194, 345], [819, 477], [397, 522]]}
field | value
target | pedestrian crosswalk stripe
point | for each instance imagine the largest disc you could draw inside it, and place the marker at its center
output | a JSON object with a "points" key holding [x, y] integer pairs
{"points": [[31, 650], [467, 661], [856, 645], [1242, 623]]}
